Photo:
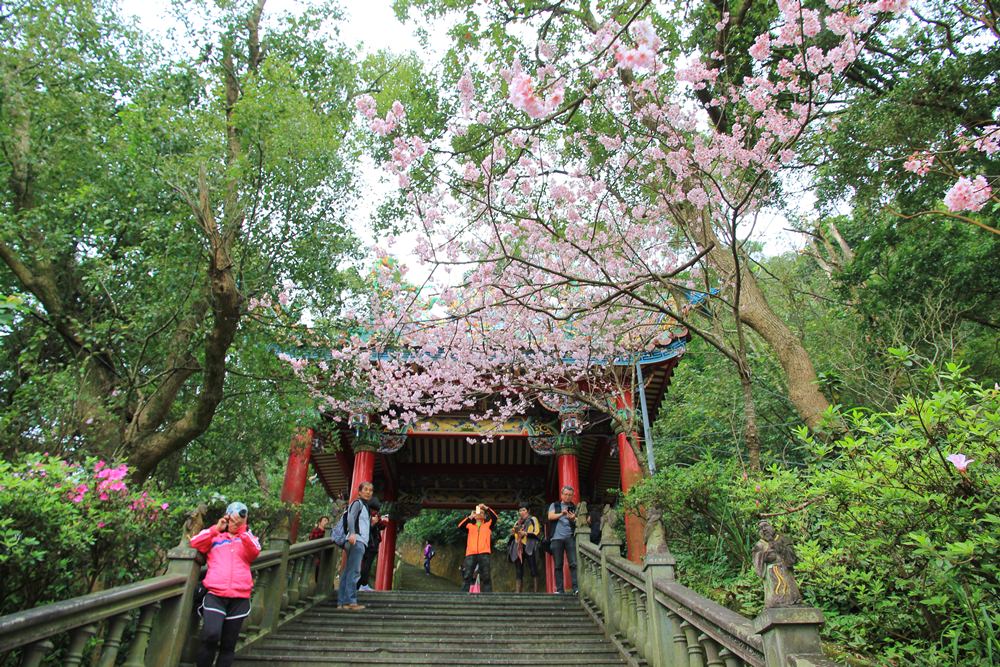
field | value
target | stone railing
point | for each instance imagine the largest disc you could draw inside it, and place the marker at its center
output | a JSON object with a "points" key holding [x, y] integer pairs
{"points": [[662, 623], [153, 623]]}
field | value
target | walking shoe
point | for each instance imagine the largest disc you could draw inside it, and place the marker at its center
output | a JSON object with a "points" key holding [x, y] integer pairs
{"points": [[367, 588], [354, 607]]}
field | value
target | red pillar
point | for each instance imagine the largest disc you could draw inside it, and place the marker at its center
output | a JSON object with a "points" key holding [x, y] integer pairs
{"points": [[386, 558], [569, 475], [364, 470], [630, 474], [293, 490]]}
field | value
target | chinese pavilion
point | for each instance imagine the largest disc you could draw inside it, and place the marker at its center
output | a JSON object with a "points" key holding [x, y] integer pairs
{"points": [[524, 461]]}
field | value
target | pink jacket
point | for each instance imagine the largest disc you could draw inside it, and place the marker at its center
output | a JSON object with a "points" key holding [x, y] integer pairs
{"points": [[229, 558]]}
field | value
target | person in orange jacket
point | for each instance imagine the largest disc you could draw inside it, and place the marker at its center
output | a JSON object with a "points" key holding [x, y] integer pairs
{"points": [[478, 545]]}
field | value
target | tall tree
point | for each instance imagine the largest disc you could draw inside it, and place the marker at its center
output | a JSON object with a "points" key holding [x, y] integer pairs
{"points": [[149, 202]]}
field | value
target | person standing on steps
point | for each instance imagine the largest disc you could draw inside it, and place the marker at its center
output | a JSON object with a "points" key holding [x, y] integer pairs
{"points": [[478, 545], [230, 547], [524, 547], [428, 555], [562, 523], [374, 540], [359, 525]]}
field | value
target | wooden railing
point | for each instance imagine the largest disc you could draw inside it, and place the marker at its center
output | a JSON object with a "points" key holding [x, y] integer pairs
{"points": [[662, 623], [153, 623]]}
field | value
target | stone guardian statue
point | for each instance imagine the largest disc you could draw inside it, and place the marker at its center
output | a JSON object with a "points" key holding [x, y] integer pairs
{"points": [[773, 560]]}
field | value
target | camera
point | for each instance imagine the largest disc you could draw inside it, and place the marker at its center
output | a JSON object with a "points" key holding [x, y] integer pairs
{"points": [[243, 514]]}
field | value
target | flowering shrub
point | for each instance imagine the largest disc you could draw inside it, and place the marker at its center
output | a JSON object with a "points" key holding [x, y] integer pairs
{"points": [[69, 528], [895, 524]]}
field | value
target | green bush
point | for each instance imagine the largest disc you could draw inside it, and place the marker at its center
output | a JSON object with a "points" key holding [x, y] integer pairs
{"points": [[896, 536], [67, 529]]}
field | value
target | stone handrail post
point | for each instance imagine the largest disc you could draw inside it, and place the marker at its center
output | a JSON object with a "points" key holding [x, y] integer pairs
{"points": [[607, 585], [661, 567], [173, 622], [327, 570], [788, 632], [276, 587]]}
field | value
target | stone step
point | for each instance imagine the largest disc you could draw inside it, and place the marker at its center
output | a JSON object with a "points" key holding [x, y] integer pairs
{"points": [[393, 661], [312, 642], [527, 616], [486, 599], [458, 620], [396, 656], [440, 628], [389, 630], [455, 646]]}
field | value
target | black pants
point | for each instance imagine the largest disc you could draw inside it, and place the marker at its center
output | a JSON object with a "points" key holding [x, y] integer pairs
{"points": [[366, 565], [223, 620], [557, 548], [532, 562], [469, 569]]}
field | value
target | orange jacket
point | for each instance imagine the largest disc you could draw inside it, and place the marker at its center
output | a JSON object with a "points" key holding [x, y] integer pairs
{"points": [[480, 534]]}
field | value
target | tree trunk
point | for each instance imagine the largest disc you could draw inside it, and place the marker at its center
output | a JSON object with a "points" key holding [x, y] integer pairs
{"points": [[750, 416], [756, 312]]}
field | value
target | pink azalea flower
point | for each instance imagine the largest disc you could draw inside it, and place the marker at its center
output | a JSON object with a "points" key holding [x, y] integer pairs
{"points": [[960, 462], [164, 506]]}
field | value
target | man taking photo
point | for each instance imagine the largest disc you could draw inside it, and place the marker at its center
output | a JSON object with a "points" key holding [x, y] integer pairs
{"points": [[562, 522], [479, 525]]}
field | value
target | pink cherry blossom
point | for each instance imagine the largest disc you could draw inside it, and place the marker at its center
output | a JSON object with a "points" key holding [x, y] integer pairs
{"points": [[466, 92], [919, 163], [366, 105], [968, 195], [761, 49], [989, 141]]}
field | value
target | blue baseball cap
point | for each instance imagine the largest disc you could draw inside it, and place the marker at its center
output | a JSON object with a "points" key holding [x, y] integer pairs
{"points": [[237, 508]]}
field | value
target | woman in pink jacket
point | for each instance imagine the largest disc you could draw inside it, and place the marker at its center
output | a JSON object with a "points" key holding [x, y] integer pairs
{"points": [[231, 547]]}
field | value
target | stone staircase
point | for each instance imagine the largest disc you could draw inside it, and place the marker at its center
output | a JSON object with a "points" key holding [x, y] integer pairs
{"points": [[430, 628]]}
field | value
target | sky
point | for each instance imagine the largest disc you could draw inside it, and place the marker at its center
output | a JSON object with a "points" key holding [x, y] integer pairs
{"points": [[369, 23]]}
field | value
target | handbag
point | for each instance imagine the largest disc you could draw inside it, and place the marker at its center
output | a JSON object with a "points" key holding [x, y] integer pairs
{"points": [[474, 588]]}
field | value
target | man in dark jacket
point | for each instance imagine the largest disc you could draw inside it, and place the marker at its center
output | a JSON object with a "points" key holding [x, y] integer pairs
{"points": [[374, 540]]}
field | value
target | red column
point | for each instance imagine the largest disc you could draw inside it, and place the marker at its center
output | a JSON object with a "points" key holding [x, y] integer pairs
{"points": [[630, 474], [569, 475], [293, 490], [364, 470], [386, 558]]}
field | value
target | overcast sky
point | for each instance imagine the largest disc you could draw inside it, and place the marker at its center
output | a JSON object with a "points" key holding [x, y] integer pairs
{"points": [[368, 23]]}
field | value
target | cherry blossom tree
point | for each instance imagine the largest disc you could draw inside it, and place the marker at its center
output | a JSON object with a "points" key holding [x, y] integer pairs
{"points": [[583, 182]]}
